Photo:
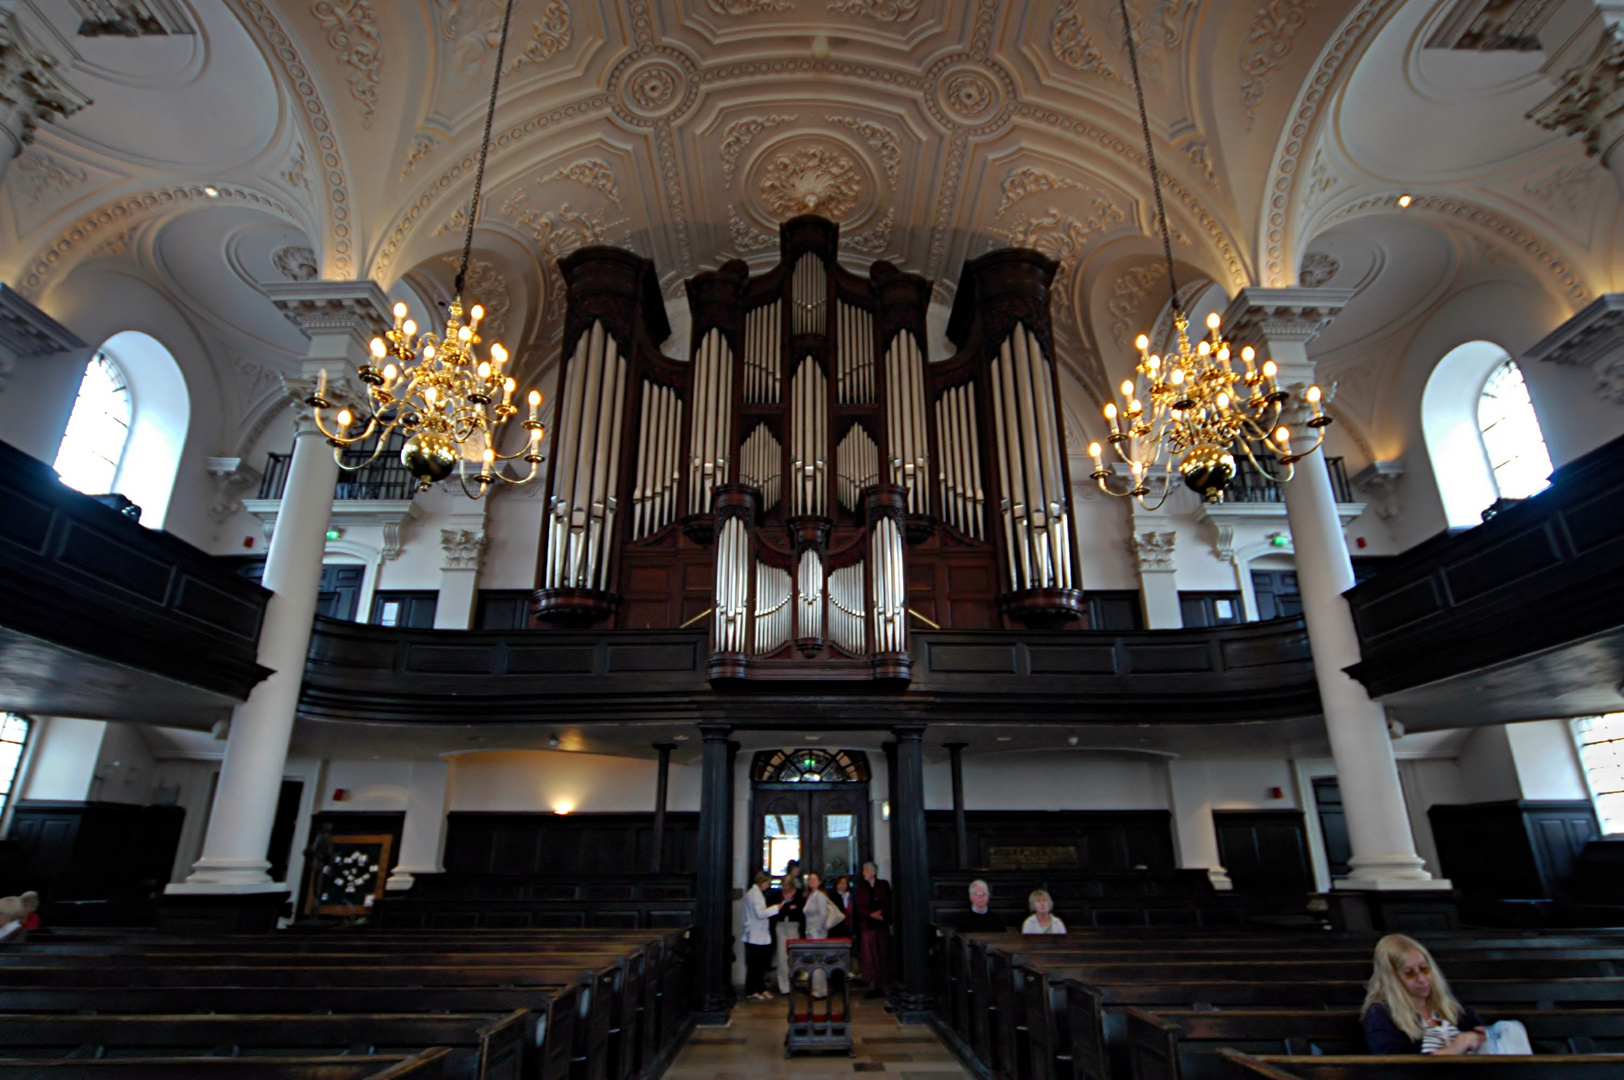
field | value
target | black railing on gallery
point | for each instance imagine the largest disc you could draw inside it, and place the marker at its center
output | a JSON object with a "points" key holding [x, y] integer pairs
{"points": [[1251, 486], [385, 478]]}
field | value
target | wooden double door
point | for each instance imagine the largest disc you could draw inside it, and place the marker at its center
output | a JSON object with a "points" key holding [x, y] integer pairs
{"points": [[825, 827]]}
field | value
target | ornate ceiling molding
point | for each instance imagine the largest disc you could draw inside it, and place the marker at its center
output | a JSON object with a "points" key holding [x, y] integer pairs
{"points": [[1536, 249], [1278, 242], [337, 241], [1269, 40], [352, 33], [131, 210]]}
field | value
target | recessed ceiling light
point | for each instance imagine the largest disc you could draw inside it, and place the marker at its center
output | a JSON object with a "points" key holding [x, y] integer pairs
{"points": [[813, 738], [1403, 202], [212, 192], [680, 738], [1005, 738]]}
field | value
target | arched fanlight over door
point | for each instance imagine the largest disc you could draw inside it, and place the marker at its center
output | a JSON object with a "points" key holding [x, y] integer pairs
{"points": [[810, 766]]}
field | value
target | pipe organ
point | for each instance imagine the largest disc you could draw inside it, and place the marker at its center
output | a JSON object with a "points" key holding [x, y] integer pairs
{"points": [[806, 482]]}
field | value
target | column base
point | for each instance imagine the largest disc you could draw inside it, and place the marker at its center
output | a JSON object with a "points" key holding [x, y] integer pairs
{"points": [[1390, 873], [1220, 879], [399, 880], [194, 911], [911, 1007], [226, 875], [1393, 910]]}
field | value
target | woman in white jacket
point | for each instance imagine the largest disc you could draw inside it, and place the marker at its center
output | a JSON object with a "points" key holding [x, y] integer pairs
{"points": [[758, 937], [822, 912]]}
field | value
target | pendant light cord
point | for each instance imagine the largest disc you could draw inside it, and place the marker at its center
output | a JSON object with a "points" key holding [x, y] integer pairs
{"points": [[1150, 154], [485, 149]]}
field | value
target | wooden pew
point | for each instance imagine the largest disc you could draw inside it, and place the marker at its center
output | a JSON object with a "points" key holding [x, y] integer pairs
{"points": [[1184, 1044], [1243, 1066], [428, 1065], [482, 1047]]}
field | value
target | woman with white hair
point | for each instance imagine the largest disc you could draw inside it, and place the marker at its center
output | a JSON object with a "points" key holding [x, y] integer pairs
{"points": [[1042, 920], [1410, 1010]]}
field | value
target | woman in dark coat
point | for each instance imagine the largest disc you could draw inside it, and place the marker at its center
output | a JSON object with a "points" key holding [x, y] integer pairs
{"points": [[874, 914]]}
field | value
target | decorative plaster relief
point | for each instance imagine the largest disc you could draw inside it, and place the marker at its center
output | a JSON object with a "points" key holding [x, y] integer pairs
{"points": [[811, 179], [1320, 179], [877, 238], [561, 231], [1154, 550], [881, 139], [42, 175], [746, 237], [231, 476], [548, 35], [296, 262], [297, 174], [462, 549], [1029, 180], [1063, 238], [970, 95], [1565, 191], [593, 173], [1317, 269], [1493, 26], [1128, 299], [422, 144], [1380, 480], [352, 33], [1073, 46], [879, 10], [30, 83], [486, 285], [748, 7], [1273, 31], [737, 136]]}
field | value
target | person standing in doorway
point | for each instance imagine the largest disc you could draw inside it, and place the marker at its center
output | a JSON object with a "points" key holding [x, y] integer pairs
{"points": [[874, 915], [822, 914], [758, 938], [789, 920]]}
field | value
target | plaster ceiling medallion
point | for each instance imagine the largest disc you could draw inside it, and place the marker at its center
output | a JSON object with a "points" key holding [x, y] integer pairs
{"points": [[969, 95], [809, 178], [653, 88]]}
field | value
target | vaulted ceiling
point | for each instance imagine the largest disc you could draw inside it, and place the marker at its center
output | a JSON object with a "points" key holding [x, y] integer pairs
{"points": [[340, 138]]}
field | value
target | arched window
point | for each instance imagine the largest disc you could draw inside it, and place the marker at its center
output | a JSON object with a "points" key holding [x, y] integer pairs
{"points": [[13, 741], [1601, 750], [98, 431], [1511, 435]]}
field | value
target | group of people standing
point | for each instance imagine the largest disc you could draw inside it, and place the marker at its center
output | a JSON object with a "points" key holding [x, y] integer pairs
{"points": [[803, 908]]}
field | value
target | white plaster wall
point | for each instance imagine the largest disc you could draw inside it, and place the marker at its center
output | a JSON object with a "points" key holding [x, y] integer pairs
{"points": [[513, 538], [1546, 760], [541, 780], [1488, 772], [367, 785], [124, 767], [1052, 780], [65, 763], [1200, 786]]}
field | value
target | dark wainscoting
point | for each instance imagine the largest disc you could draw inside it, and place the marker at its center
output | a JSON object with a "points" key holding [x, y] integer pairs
{"points": [[1254, 671], [1433, 623], [93, 863], [1133, 898], [507, 870], [1510, 859], [1099, 841], [100, 617]]}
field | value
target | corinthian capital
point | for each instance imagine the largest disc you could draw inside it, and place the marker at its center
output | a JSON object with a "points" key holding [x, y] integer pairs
{"points": [[1589, 98], [1264, 317], [32, 89]]}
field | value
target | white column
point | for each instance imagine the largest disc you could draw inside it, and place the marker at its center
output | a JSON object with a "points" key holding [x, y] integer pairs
{"points": [[422, 840], [1281, 322], [1158, 575], [34, 89], [340, 318], [463, 547]]}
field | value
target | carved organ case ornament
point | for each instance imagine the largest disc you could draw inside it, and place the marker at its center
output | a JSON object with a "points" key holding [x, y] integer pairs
{"points": [[807, 484]]}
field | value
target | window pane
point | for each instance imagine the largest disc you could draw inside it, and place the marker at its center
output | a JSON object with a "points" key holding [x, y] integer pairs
{"points": [[97, 431], [1511, 434], [1601, 749], [13, 736]]}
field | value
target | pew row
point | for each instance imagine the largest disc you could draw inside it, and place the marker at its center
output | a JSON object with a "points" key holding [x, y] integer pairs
{"points": [[1242, 1066]]}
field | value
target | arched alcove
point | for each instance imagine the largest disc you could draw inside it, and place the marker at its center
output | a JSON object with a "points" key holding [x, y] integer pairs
{"points": [[1453, 424], [161, 413]]}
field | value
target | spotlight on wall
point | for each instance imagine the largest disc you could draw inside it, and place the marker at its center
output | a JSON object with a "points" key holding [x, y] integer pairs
{"points": [[562, 808], [1403, 202]]}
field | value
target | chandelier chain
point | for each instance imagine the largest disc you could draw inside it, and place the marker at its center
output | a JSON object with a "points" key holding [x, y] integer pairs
{"points": [[1150, 153], [485, 149]]}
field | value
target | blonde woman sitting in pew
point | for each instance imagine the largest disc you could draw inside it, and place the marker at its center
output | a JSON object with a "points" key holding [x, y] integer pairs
{"points": [[1410, 1010], [1042, 920]]}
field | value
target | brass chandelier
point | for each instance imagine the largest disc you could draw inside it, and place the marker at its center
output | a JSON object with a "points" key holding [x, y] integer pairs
{"points": [[1192, 410], [451, 405]]}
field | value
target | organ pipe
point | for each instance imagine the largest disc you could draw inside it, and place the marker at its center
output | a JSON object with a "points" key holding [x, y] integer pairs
{"points": [[761, 464], [583, 506], [905, 419], [773, 611], [763, 333], [654, 494], [846, 618], [960, 471], [889, 589], [809, 594], [1034, 507], [857, 466], [732, 586], [809, 437], [810, 288], [711, 395], [854, 382]]}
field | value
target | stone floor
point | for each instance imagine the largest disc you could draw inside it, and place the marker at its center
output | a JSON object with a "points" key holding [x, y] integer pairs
{"points": [[751, 1047]]}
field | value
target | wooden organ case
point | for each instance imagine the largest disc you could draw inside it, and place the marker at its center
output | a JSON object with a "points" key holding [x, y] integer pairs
{"points": [[808, 483]]}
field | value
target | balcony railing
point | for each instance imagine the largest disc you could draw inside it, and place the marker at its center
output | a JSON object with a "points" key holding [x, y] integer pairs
{"points": [[384, 479], [1251, 486]]}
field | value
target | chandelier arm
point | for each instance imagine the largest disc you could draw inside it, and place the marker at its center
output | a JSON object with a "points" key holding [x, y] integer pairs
{"points": [[378, 450], [484, 149], [1150, 155]]}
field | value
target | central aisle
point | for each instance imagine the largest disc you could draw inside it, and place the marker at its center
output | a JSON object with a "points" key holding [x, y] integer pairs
{"points": [[752, 1048]]}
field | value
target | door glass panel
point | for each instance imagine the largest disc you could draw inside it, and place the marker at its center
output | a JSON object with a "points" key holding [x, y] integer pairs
{"points": [[839, 845], [781, 842]]}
